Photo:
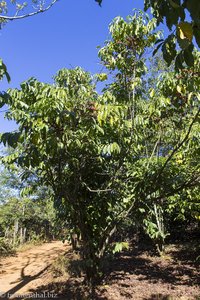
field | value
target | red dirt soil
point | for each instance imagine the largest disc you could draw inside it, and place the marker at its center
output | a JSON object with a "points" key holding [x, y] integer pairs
{"points": [[134, 274], [26, 270]]}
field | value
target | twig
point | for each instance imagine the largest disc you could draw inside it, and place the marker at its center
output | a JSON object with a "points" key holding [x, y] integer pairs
{"points": [[16, 17], [179, 145], [97, 191], [187, 184]]}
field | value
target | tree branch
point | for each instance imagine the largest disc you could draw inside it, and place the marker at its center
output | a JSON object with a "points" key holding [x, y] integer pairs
{"points": [[187, 184], [97, 191], [154, 150], [179, 145], [16, 17], [112, 227]]}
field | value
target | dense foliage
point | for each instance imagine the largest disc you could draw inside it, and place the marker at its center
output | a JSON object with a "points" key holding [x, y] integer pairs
{"points": [[130, 151], [182, 18], [24, 219]]}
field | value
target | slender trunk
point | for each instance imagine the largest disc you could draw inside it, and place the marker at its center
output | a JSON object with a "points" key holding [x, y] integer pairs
{"points": [[21, 235], [15, 231], [106, 241], [161, 229], [24, 235], [6, 232]]}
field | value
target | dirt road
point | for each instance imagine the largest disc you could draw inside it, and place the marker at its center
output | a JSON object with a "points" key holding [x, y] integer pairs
{"points": [[28, 270], [134, 275]]}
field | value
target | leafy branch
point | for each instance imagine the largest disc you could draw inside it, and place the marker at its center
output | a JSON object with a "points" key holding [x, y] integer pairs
{"points": [[179, 145]]}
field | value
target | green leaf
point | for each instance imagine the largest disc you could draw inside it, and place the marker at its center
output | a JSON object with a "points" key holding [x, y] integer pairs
{"points": [[2, 100], [120, 246], [115, 148], [174, 4], [179, 89], [152, 93], [193, 7], [10, 138], [157, 48], [185, 31], [179, 61], [102, 76], [3, 71], [171, 16], [188, 57], [169, 49], [100, 129]]}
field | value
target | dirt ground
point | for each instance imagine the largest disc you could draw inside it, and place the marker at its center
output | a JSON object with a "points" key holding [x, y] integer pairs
{"points": [[27, 270], [135, 274]]}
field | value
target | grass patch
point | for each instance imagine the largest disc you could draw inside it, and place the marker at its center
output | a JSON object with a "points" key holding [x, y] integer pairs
{"points": [[6, 248], [68, 264], [28, 245]]}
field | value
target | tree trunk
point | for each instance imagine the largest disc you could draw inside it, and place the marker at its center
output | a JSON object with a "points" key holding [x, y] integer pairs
{"points": [[15, 231], [21, 235], [24, 235]]}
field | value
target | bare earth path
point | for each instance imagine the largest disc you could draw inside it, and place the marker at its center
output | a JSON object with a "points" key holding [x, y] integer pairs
{"points": [[26, 270], [133, 274]]}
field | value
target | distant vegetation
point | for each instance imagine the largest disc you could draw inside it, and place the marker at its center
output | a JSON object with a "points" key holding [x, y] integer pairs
{"points": [[24, 219]]}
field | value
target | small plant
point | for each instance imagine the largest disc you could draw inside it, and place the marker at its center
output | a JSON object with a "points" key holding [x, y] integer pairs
{"points": [[36, 239], [154, 227], [5, 247], [68, 265], [60, 266], [120, 246]]}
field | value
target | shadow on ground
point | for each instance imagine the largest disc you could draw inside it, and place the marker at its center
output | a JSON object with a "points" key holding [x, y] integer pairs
{"points": [[70, 289], [139, 271], [166, 297]]}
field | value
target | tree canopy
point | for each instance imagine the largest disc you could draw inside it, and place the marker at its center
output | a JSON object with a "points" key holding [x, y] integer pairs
{"points": [[182, 18], [131, 150]]}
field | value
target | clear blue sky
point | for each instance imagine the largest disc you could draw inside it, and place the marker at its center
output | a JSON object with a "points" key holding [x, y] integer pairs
{"points": [[65, 36]]}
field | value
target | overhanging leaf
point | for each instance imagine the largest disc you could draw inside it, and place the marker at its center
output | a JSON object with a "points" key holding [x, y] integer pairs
{"points": [[188, 57], [185, 31]]}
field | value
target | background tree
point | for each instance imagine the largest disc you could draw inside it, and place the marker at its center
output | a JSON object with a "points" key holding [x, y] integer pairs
{"points": [[174, 98], [74, 154], [22, 217]]}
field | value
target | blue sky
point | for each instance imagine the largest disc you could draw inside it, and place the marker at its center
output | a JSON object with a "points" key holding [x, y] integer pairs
{"points": [[65, 36]]}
